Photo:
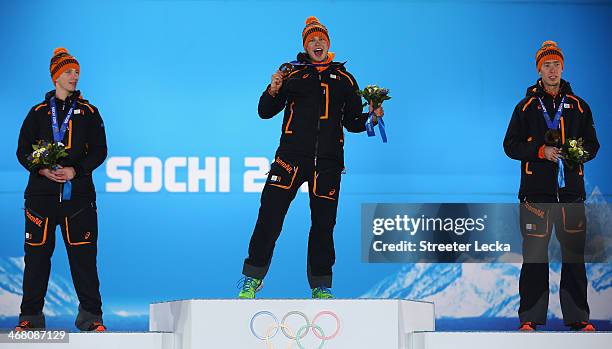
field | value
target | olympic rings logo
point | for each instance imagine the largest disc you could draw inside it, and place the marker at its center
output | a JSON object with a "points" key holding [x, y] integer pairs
{"points": [[273, 329]]}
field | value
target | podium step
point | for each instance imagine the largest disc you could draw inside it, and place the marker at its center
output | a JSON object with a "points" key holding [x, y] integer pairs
{"points": [[105, 340], [274, 323], [509, 340]]}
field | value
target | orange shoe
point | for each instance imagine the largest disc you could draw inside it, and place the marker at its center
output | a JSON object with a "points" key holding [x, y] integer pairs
{"points": [[24, 326], [97, 327], [527, 326], [582, 326]]}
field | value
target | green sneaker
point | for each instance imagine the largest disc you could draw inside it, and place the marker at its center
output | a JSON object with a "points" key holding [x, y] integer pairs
{"points": [[322, 292], [249, 287]]}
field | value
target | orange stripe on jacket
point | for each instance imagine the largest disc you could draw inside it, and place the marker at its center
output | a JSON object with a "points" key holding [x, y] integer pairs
{"points": [[541, 152], [295, 72], [348, 77], [528, 102], [88, 106], [69, 146], [562, 131], [287, 130], [40, 106], [577, 101], [326, 87]]}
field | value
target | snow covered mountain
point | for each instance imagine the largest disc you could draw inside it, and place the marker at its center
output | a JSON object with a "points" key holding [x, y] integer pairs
{"points": [[486, 290], [61, 298]]}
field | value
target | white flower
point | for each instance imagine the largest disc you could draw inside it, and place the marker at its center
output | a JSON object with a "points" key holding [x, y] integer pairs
{"points": [[572, 143], [38, 152], [581, 152], [60, 144]]}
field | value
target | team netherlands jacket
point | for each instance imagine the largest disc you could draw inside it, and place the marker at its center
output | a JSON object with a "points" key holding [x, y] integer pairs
{"points": [[524, 140], [85, 140], [318, 104]]}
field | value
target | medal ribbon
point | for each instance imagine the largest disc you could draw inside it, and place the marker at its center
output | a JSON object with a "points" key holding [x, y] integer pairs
{"points": [[58, 136], [554, 125], [369, 125]]}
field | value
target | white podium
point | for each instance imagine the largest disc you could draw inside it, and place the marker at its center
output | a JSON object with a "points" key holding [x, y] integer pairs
{"points": [[275, 323], [509, 340], [321, 324]]}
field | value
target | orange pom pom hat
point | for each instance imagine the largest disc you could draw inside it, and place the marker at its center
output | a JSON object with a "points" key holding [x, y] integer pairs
{"points": [[548, 51], [60, 62], [314, 27]]}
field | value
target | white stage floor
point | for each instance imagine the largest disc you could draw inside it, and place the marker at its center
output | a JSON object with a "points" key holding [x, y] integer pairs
{"points": [[337, 323]]}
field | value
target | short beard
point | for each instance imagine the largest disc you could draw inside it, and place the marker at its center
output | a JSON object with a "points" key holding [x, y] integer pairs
{"points": [[554, 84]]}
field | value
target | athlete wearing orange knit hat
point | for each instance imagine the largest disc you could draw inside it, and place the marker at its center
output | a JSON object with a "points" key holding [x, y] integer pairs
{"points": [[320, 100], [551, 192], [63, 195]]}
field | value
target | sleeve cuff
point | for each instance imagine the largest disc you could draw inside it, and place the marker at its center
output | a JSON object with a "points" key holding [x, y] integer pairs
{"points": [[270, 93], [78, 171], [541, 152]]}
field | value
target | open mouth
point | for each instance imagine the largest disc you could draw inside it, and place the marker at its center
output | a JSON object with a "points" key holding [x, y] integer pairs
{"points": [[318, 52]]}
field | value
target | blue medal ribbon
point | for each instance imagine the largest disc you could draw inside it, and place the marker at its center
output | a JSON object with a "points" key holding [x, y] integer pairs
{"points": [[552, 124], [561, 175], [555, 125], [58, 136], [369, 125], [306, 64]]}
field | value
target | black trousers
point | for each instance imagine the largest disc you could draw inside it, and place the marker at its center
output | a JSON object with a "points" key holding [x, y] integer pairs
{"points": [[79, 226], [286, 176], [538, 217]]}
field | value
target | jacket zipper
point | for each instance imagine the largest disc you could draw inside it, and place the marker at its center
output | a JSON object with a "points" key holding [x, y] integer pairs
{"points": [[318, 128], [61, 191], [558, 168]]}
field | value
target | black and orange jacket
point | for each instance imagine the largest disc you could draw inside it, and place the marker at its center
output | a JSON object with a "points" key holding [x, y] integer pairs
{"points": [[85, 140], [318, 105], [524, 140]]}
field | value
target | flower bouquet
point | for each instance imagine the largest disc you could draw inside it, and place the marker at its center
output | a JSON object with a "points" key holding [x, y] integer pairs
{"points": [[574, 153], [375, 96], [46, 155]]}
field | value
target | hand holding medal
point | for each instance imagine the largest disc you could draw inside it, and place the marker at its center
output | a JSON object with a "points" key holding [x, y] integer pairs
{"points": [[286, 69], [281, 75], [552, 141]]}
